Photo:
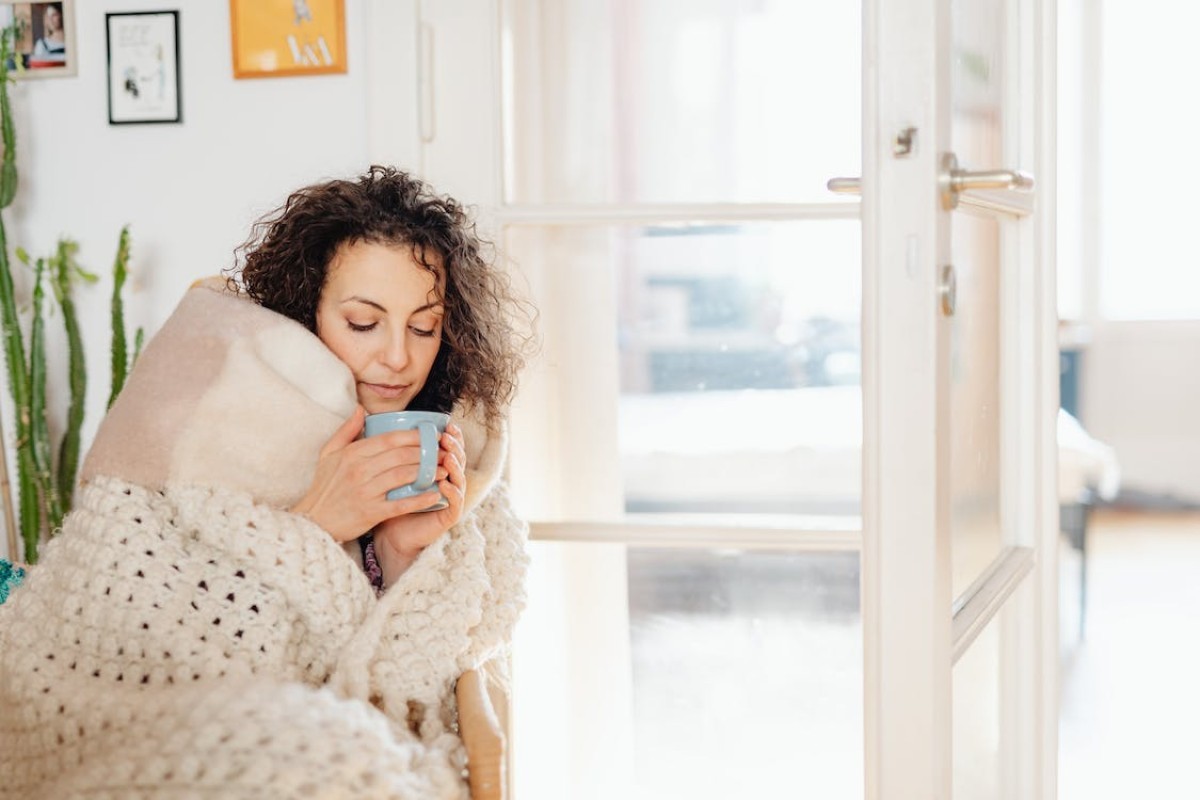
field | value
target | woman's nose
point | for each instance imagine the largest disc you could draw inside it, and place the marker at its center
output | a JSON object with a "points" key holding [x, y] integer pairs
{"points": [[395, 355]]}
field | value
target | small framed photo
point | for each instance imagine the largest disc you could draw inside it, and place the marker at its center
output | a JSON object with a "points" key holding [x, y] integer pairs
{"points": [[44, 44], [143, 67], [276, 38]]}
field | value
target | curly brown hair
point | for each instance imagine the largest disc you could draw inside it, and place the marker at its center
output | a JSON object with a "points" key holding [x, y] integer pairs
{"points": [[284, 263]]}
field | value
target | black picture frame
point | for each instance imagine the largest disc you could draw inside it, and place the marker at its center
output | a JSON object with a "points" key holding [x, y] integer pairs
{"points": [[144, 81]]}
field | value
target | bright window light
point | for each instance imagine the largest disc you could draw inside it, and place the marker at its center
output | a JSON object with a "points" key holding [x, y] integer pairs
{"points": [[1149, 164]]}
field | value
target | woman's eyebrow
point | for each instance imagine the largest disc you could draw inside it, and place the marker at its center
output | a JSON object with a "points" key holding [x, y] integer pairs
{"points": [[365, 301], [373, 304]]}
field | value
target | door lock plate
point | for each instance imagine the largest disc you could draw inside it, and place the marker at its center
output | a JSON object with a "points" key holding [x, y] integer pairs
{"points": [[948, 290]]}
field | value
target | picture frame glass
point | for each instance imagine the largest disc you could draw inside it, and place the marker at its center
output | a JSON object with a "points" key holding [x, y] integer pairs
{"points": [[143, 67]]}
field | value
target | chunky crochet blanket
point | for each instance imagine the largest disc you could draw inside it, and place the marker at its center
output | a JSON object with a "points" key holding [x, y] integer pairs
{"points": [[185, 637]]}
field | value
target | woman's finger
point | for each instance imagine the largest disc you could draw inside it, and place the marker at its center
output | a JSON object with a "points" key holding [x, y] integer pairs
{"points": [[346, 433], [455, 496], [396, 477], [449, 444], [383, 442], [458, 486], [381, 462], [409, 505], [456, 442], [454, 488]]}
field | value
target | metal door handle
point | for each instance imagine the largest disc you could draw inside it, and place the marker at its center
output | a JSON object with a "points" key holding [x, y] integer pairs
{"points": [[953, 180], [844, 185]]}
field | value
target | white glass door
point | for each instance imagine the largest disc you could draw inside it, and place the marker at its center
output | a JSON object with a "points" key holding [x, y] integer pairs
{"points": [[688, 444], [959, 393], [766, 465]]}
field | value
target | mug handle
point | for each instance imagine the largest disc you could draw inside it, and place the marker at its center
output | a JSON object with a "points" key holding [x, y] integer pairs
{"points": [[429, 456]]}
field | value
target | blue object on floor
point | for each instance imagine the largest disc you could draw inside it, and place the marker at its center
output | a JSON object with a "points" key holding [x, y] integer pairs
{"points": [[10, 578]]}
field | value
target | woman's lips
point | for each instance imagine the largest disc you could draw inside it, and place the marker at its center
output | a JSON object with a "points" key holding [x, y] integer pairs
{"points": [[386, 391]]}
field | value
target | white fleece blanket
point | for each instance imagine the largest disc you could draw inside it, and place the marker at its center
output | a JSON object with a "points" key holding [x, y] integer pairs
{"points": [[184, 637]]}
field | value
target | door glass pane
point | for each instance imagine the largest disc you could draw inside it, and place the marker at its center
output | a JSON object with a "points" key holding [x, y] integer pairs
{"points": [[739, 361], [975, 400], [977, 88], [680, 100], [976, 718], [978, 94], [740, 675]]}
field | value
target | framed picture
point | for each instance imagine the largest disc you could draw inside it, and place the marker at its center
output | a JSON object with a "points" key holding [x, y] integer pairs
{"points": [[44, 45], [143, 67], [275, 38]]}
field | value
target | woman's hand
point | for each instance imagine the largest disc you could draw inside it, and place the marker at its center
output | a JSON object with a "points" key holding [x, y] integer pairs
{"points": [[398, 541], [348, 495]]}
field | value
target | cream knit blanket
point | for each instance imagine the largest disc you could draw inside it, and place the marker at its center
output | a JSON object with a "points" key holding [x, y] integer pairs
{"points": [[184, 637]]}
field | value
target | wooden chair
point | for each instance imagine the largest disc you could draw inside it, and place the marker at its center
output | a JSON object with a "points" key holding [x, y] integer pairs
{"points": [[482, 717]]}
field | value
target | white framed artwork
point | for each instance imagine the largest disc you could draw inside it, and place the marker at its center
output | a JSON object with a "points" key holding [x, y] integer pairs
{"points": [[143, 67]]}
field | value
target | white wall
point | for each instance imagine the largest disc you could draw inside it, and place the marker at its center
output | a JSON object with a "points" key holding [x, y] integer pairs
{"points": [[191, 191], [1141, 394]]}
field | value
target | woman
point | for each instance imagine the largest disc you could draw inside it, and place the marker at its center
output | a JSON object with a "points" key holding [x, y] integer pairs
{"points": [[203, 620], [51, 46], [409, 304]]}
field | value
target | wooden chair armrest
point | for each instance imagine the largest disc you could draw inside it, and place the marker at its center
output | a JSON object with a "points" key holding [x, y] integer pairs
{"points": [[482, 709]]}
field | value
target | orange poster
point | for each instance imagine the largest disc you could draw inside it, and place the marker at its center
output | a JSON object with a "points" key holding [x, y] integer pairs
{"points": [[287, 37]]}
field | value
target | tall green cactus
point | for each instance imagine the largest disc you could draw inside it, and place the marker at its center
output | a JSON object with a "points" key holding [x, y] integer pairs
{"points": [[46, 484], [49, 504], [14, 345], [63, 270]]}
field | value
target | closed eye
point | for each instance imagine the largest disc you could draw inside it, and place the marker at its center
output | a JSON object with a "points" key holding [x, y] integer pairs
{"points": [[421, 331], [361, 328]]}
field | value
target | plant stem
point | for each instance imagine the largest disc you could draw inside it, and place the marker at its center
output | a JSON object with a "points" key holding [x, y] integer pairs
{"points": [[139, 339], [39, 429], [18, 384], [8, 131], [10, 517], [120, 353], [14, 346], [63, 266]]}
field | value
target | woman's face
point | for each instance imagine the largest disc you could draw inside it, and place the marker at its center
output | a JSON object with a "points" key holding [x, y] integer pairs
{"points": [[380, 313], [53, 19]]}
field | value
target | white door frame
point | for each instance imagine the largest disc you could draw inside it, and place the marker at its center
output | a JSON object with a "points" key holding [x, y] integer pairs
{"points": [[906, 593], [913, 629]]}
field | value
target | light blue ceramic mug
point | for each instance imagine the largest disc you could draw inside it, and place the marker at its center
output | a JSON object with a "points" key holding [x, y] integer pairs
{"points": [[431, 425]]}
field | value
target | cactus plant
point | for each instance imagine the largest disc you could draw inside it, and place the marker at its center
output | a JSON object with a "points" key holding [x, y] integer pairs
{"points": [[63, 271], [49, 504], [121, 362], [45, 483], [14, 345]]}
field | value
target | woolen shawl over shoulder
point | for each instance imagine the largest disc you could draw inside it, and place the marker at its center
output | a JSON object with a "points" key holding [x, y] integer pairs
{"points": [[185, 637]]}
